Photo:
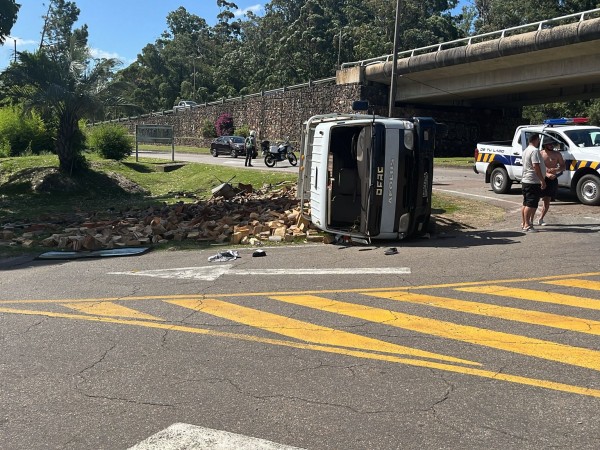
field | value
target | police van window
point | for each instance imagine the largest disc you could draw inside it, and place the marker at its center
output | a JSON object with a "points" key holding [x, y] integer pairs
{"points": [[557, 136], [525, 138]]}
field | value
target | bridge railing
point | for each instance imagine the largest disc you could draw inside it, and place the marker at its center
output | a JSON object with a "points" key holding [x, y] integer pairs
{"points": [[542, 24]]}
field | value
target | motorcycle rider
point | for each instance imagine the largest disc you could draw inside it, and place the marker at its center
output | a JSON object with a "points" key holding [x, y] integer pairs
{"points": [[250, 146]]}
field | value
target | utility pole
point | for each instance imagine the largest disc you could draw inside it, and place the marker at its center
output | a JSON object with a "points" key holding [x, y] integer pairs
{"points": [[339, 49], [394, 62]]}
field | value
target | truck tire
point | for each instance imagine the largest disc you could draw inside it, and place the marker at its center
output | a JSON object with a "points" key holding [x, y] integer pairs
{"points": [[499, 181], [588, 190], [233, 153], [214, 152]]}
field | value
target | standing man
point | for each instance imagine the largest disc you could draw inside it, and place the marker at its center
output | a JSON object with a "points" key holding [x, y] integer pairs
{"points": [[555, 165], [532, 182], [250, 146]]}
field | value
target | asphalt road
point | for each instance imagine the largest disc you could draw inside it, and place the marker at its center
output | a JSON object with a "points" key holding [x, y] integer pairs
{"points": [[477, 339]]}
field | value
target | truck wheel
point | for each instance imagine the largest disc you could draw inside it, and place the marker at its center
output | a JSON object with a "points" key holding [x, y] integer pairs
{"points": [[270, 161], [588, 190], [233, 153], [214, 152], [499, 181]]}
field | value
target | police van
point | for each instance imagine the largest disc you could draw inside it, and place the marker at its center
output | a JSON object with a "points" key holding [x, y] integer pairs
{"points": [[579, 144]]}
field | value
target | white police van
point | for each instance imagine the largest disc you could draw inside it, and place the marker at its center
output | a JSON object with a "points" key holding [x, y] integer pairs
{"points": [[578, 143]]}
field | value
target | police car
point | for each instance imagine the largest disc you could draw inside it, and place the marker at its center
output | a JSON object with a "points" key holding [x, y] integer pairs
{"points": [[579, 144]]}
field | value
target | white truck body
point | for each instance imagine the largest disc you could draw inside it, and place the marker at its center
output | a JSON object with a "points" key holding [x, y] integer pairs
{"points": [[501, 162], [367, 177]]}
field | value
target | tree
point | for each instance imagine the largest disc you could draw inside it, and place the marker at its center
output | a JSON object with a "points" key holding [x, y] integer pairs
{"points": [[64, 94], [8, 17], [62, 83]]}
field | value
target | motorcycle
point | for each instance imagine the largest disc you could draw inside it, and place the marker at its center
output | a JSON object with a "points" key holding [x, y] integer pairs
{"points": [[274, 153]]}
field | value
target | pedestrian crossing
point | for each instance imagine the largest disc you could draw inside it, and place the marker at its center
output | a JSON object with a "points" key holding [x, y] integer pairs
{"points": [[550, 323]]}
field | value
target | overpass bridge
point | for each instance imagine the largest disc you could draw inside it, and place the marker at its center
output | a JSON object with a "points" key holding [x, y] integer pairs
{"points": [[547, 61]]}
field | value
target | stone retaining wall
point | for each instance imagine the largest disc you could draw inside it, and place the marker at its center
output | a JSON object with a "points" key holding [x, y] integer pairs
{"points": [[279, 114]]}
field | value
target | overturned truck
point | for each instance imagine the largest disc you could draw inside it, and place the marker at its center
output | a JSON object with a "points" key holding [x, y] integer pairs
{"points": [[367, 177]]}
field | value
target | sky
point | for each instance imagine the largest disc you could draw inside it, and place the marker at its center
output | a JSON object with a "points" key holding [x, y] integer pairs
{"points": [[117, 28]]}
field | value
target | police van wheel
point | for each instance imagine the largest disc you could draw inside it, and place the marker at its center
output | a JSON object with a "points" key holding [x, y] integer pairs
{"points": [[499, 181], [588, 190]]}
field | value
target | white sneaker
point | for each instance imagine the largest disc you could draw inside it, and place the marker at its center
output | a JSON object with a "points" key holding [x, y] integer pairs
{"points": [[541, 223]]}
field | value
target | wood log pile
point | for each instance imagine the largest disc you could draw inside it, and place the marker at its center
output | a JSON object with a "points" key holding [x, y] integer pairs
{"points": [[233, 215]]}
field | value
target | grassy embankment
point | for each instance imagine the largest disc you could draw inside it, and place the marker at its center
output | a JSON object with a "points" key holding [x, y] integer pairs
{"points": [[98, 192]]}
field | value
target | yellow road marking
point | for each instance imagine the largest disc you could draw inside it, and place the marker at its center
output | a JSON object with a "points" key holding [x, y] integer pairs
{"points": [[523, 345], [536, 296], [561, 387], [582, 284], [305, 331], [321, 291], [109, 309], [502, 312]]}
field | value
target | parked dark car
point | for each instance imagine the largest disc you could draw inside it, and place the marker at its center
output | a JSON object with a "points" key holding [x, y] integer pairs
{"points": [[228, 145]]}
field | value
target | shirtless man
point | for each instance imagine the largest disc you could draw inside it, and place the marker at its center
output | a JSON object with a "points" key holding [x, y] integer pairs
{"points": [[555, 165]]}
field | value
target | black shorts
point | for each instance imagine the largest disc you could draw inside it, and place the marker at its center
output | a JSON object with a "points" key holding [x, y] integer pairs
{"points": [[551, 189], [531, 194]]}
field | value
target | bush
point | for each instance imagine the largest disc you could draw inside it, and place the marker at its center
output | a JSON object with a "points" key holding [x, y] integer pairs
{"points": [[111, 141], [207, 129], [22, 133], [244, 130], [224, 125]]}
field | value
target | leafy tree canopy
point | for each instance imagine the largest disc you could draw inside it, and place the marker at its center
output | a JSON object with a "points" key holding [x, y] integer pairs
{"points": [[8, 17]]}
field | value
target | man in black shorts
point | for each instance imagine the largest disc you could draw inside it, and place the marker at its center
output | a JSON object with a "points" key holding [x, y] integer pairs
{"points": [[532, 181]]}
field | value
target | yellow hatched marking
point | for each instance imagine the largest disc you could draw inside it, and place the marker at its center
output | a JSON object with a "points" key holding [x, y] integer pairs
{"points": [[500, 312], [535, 296], [594, 165], [109, 309], [305, 331], [582, 284], [561, 387], [523, 345]]}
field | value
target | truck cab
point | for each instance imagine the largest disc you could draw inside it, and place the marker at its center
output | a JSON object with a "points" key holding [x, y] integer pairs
{"points": [[367, 177]]}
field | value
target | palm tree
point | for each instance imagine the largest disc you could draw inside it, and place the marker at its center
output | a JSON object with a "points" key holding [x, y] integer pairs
{"points": [[64, 88]]}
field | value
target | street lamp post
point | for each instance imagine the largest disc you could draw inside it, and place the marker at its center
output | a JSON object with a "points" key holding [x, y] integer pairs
{"points": [[392, 101]]}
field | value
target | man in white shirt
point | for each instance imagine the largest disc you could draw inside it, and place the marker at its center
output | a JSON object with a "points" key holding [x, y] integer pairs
{"points": [[532, 182]]}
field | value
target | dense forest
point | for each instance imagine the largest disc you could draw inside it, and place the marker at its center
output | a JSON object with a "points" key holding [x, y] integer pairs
{"points": [[294, 41], [300, 40]]}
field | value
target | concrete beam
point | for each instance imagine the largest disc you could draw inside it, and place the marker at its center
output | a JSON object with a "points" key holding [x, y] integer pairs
{"points": [[508, 71]]}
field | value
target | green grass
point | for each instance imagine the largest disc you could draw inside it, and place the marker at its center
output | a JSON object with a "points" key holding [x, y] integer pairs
{"points": [[96, 191], [458, 161]]}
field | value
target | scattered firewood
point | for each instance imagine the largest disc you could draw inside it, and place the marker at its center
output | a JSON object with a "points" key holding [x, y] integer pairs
{"points": [[238, 215]]}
